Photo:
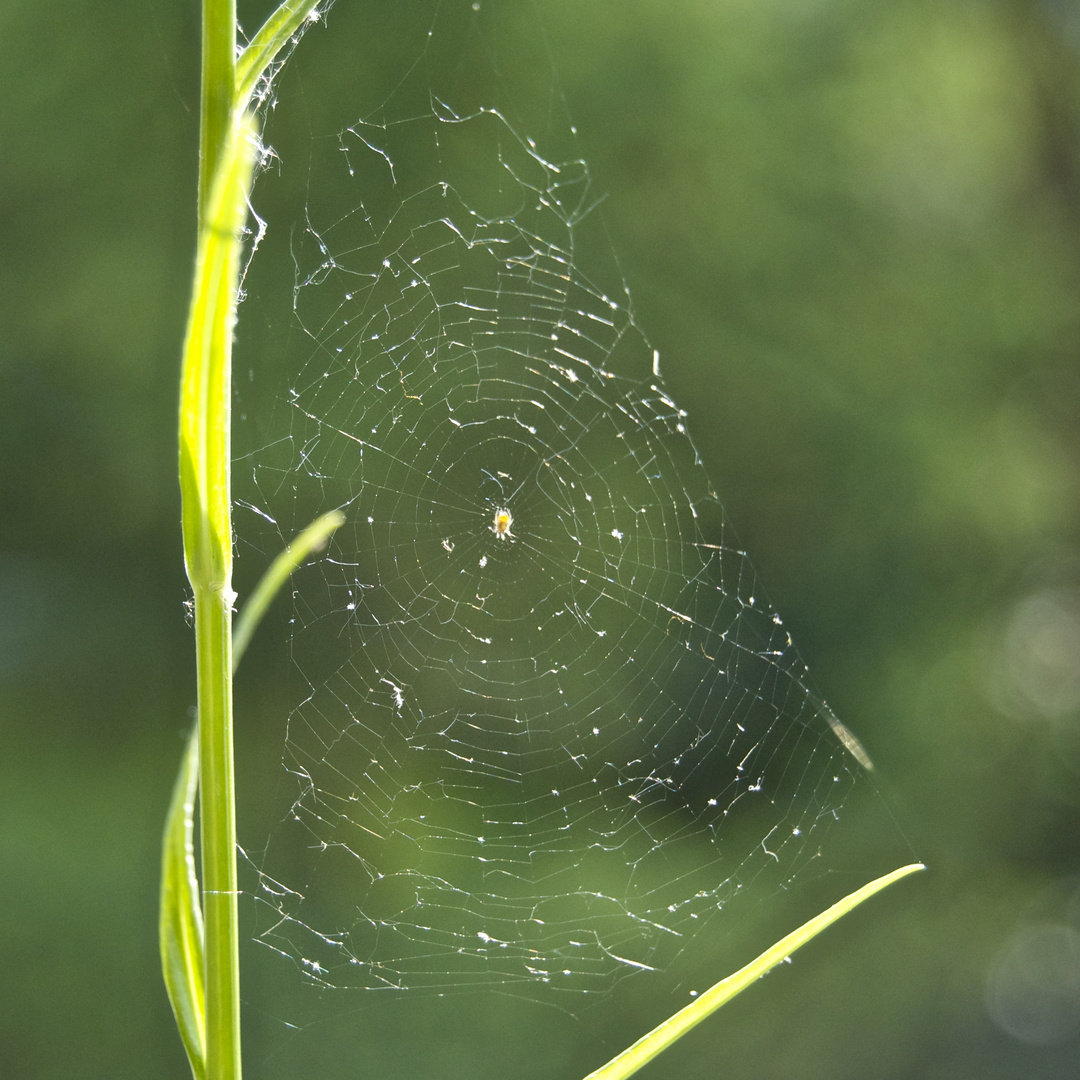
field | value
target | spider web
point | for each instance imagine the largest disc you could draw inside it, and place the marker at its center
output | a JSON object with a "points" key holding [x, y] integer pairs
{"points": [[547, 728]]}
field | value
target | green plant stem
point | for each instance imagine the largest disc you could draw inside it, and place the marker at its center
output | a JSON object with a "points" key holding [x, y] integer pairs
{"points": [[210, 1025], [205, 422], [218, 97], [213, 591], [213, 632]]}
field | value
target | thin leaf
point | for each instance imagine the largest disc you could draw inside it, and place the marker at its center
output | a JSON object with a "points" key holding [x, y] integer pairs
{"points": [[660, 1038], [205, 385], [180, 926], [264, 47], [311, 539]]}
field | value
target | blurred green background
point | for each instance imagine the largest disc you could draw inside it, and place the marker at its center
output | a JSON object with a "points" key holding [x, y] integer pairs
{"points": [[852, 229]]}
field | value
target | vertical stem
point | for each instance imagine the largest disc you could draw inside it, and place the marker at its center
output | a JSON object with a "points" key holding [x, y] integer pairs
{"points": [[218, 89], [226, 153], [213, 629], [214, 597]]}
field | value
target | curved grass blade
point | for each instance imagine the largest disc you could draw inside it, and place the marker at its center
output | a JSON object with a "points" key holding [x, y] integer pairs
{"points": [[180, 925], [264, 47], [205, 386], [660, 1038], [311, 539]]}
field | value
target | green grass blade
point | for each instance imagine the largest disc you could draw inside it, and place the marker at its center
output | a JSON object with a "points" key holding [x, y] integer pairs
{"points": [[311, 539], [180, 925], [205, 387], [264, 47], [660, 1038]]}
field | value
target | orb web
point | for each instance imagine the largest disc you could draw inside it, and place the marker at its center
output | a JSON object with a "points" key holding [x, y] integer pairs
{"points": [[547, 728]]}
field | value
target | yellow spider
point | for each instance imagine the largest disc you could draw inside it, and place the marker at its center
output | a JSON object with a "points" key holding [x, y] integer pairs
{"points": [[501, 525]]}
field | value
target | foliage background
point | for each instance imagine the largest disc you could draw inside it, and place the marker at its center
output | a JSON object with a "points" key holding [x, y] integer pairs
{"points": [[853, 230]]}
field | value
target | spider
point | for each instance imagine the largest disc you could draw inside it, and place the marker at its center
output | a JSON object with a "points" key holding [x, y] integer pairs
{"points": [[500, 526]]}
